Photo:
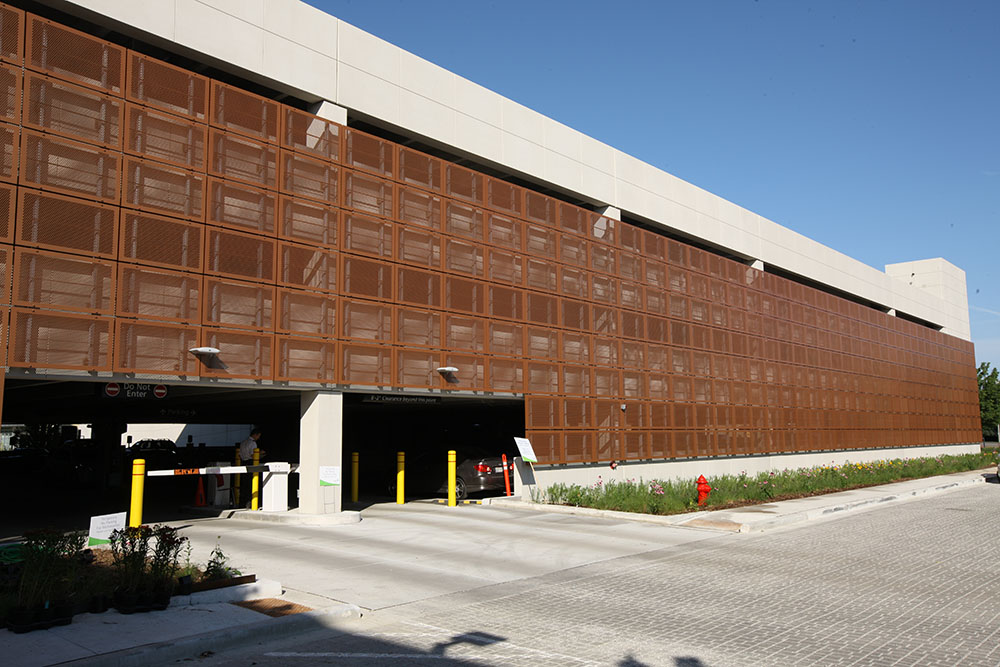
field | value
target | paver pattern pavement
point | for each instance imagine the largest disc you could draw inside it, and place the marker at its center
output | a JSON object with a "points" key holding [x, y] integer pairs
{"points": [[914, 583]]}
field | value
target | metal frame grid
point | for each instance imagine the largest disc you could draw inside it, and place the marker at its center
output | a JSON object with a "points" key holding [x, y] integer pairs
{"points": [[309, 252]]}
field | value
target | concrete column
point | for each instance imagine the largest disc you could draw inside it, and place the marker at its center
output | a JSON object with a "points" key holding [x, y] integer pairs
{"points": [[321, 429], [329, 111], [610, 212]]}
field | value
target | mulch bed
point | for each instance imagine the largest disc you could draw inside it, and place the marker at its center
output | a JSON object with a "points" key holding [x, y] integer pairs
{"points": [[273, 607]]}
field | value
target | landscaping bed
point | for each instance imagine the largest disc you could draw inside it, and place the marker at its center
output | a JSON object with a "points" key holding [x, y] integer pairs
{"points": [[49, 577], [730, 491]]}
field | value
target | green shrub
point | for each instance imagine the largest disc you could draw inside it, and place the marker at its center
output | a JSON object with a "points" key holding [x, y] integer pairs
{"points": [[675, 496]]}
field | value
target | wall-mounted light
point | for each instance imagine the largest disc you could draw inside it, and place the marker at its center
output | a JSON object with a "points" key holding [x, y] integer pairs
{"points": [[198, 351], [448, 373]]}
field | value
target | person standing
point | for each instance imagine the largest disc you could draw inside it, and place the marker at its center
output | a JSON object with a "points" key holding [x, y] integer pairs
{"points": [[247, 447]]}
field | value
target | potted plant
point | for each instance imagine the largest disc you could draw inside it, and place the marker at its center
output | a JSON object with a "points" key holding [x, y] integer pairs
{"points": [[163, 565], [41, 552], [130, 549]]}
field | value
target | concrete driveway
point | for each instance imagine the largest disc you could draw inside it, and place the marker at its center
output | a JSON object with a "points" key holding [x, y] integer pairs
{"points": [[400, 554]]}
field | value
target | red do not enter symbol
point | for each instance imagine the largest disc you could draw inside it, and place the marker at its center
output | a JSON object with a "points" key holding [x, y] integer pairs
{"points": [[112, 389], [160, 391]]}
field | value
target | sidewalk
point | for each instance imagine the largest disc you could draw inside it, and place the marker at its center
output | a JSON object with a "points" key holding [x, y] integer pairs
{"points": [[210, 623]]}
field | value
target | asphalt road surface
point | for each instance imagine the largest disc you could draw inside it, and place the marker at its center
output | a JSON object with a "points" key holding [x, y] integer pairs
{"points": [[913, 583]]}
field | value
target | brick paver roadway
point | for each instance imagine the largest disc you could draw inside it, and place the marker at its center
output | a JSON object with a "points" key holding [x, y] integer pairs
{"points": [[913, 583]]}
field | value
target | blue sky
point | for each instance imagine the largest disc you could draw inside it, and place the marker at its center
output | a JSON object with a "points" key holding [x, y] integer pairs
{"points": [[870, 126]]}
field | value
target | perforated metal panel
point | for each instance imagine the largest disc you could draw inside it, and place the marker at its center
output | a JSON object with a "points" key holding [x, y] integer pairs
{"points": [[156, 83], [238, 305], [308, 267], [11, 38], [243, 159], [66, 282], [369, 153], [165, 137], [63, 223], [162, 188], [74, 111], [241, 354], [306, 133], [241, 206], [306, 313], [308, 177], [243, 112], [69, 166], [239, 255], [74, 56], [157, 294], [155, 348], [305, 360], [161, 241], [45, 339], [308, 222]]}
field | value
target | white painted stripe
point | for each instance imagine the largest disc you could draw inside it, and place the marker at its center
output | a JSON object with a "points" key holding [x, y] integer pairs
{"points": [[390, 656]]}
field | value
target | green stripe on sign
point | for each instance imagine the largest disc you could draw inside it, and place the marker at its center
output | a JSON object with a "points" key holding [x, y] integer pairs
{"points": [[96, 540], [322, 483]]}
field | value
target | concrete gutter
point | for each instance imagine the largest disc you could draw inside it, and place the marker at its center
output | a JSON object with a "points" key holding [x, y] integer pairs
{"points": [[756, 518]]}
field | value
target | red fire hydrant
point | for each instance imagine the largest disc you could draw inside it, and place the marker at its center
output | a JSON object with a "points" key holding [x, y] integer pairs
{"points": [[703, 490]]}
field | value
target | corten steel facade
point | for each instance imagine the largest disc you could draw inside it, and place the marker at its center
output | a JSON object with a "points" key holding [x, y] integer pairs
{"points": [[147, 210]]}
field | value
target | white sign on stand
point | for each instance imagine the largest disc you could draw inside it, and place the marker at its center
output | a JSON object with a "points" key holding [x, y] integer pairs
{"points": [[329, 475], [524, 447], [103, 525]]}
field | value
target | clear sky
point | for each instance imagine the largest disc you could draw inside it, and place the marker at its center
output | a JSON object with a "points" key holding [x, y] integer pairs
{"points": [[869, 126]]}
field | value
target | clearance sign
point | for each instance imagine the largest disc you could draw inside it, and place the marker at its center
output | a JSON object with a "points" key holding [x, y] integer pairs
{"points": [[134, 391]]}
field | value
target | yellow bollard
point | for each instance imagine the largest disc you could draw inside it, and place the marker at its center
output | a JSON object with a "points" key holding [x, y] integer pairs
{"points": [[255, 483], [236, 480], [451, 478], [138, 482], [354, 477], [400, 495]]}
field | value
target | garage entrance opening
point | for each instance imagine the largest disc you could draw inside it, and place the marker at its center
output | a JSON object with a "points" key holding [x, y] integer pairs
{"points": [[56, 479], [425, 428]]}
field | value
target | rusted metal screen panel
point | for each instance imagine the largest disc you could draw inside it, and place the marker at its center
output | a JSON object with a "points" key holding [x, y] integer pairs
{"points": [[243, 159], [418, 169], [64, 223], [8, 200], [464, 295], [68, 166], [165, 137], [366, 320], [240, 111], [158, 294], [471, 373], [163, 349], [74, 56], [306, 133], [10, 89], [306, 177], [367, 365], [308, 222], [306, 313], [6, 260], [156, 83], [305, 360], [505, 374], [463, 333], [417, 328], [416, 207], [46, 339], [241, 206], [65, 282], [368, 236], [308, 267], [465, 184], [234, 304], [239, 255], [464, 257], [11, 37], [504, 196], [418, 287], [364, 151], [367, 278], [416, 368], [416, 246], [164, 189], [368, 194], [242, 354], [73, 111], [158, 241]]}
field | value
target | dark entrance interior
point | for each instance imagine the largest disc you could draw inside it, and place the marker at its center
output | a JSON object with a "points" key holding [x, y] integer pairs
{"points": [[425, 428], [58, 481]]}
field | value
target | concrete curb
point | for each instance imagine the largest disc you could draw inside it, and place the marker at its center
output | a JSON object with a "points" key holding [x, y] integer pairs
{"points": [[262, 588], [217, 640], [722, 521]]}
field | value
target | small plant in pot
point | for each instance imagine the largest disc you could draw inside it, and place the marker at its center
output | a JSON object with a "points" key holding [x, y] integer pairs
{"points": [[163, 566], [130, 549], [42, 551]]}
